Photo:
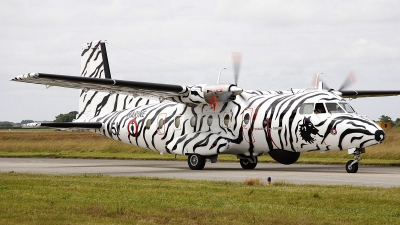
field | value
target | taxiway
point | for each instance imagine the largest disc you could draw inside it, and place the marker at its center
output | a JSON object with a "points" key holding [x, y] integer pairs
{"points": [[297, 173]]}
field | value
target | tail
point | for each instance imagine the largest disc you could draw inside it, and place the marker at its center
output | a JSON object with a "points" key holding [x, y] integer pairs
{"points": [[94, 63], [94, 60]]}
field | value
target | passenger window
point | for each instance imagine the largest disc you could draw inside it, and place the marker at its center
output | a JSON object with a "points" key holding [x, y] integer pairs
{"points": [[319, 108], [160, 124], [209, 121], [226, 119], [177, 121], [334, 108], [148, 124], [193, 121], [246, 118], [306, 108]]}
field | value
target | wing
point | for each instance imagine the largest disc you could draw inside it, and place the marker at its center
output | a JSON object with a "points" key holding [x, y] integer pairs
{"points": [[107, 85], [365, 93], [191, 95]]}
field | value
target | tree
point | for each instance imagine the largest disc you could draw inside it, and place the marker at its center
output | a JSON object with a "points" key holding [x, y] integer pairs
{"points": [[397, 122], [27, 121], [66, 117], [384, 118], [6, 124]]}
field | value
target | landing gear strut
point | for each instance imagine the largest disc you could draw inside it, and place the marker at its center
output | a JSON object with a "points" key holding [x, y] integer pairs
{"points": [[352, 165]]}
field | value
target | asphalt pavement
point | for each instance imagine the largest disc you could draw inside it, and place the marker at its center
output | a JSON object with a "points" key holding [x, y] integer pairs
{"points": [[380, 176]]}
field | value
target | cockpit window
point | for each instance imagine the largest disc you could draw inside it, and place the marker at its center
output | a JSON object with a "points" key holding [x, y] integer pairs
{"points": [[306, 108], [319, 108], [347, 107], [334, 108]]}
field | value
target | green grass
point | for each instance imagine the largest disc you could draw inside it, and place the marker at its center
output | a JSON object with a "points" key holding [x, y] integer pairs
{"points": [[97, 199], [46, 143]]}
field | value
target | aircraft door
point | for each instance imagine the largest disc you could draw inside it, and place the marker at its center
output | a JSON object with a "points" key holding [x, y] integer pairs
{"points": [[247, 120]]}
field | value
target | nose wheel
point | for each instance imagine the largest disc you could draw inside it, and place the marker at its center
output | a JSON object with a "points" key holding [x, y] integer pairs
{"points": [[352, 165]]}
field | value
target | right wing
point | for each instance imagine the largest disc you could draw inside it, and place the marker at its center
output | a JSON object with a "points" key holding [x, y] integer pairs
{"points": [[366, 94]]}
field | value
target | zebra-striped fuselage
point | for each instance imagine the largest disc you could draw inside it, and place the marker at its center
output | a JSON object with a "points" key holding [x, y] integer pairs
{"points": [[253, 124]]}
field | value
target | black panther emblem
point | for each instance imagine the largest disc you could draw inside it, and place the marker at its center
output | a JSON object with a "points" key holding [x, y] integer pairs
{"points": [[308, 130]]}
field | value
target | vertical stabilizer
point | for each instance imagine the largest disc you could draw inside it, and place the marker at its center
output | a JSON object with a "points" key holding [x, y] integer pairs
{"points": [[94, 63], [94, 60]]}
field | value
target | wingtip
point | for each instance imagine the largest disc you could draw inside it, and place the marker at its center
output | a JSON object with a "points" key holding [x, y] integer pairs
{"points": [[25, 76]]}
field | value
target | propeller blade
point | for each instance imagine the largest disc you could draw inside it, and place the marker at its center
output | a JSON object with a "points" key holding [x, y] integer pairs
{"points": [[237, 59], [351, 79], [316, 79]]}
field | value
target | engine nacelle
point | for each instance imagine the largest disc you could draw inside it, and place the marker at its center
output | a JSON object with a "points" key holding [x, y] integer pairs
{"points": [[284, 157], [207, 94]]}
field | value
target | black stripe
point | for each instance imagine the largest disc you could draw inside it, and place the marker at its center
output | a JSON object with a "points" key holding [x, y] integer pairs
{"points": [[107, 71]]}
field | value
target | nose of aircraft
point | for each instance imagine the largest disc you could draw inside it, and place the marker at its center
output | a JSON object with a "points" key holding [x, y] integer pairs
{"points": [[379, 135]]}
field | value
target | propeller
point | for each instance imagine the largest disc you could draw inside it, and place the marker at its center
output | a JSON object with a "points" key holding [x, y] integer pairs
{"points": [[350, 80], [237, 59]]}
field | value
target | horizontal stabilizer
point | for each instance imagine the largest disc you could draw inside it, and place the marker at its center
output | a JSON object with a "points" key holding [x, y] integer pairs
{"points": [[87, 125]]}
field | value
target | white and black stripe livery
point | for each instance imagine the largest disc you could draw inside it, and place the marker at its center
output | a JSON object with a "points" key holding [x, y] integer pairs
{"points": [[211, 119]]}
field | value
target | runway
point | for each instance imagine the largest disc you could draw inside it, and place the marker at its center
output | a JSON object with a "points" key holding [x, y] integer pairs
{"points": [[297, 173]]}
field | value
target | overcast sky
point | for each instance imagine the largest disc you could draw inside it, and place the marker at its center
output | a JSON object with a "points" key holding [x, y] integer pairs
{"points": [[283, 44]]}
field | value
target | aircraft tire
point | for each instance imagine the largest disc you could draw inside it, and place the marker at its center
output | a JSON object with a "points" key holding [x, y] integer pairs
{"points": [[353, 168], [196, 161], [247, 165]]}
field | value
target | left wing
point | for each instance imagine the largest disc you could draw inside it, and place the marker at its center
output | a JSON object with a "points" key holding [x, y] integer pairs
{"points": [[108, 85], [191, 95]]}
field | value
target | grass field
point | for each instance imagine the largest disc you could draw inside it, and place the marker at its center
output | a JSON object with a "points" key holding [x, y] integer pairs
{"points": [[47, 143], [97, 199]]}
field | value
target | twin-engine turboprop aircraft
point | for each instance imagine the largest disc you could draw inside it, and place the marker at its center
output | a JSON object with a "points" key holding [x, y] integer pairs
{"points": [[203, 121]]}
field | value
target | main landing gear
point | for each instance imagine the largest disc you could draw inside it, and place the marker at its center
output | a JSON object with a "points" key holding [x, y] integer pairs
{"points": [[196, 161], [248, 163], [352, 165]]}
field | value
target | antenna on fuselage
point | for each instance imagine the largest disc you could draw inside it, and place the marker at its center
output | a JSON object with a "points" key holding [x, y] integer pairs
{"points": [[318, 82]]}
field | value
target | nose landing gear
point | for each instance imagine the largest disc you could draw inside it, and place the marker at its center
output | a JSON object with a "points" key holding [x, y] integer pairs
{"points": [[352, 165]]}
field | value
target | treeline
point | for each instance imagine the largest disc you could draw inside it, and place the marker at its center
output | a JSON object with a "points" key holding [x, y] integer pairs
{"points": [[69, 117], [395, 123]]}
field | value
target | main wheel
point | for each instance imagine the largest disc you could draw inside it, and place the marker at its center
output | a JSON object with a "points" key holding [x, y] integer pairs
{"points": [[353, 168], [196, 162], [247, 165]]}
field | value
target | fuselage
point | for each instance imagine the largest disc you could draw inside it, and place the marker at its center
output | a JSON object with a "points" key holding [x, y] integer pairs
{"points": [[253, 124]]}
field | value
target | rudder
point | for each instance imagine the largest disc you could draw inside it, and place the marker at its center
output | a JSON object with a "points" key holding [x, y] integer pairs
{"points": [[94, 60]]}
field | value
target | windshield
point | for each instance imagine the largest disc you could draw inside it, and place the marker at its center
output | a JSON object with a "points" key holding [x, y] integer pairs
{"points": [[347, 107], [329, 107], [334, 108]]}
